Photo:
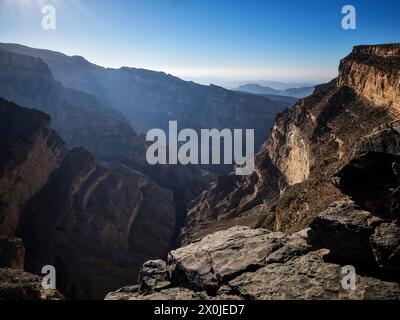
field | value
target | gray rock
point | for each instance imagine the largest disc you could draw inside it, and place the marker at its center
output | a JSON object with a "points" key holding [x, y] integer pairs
{"points": [[207, 264], [309, 278], [345, 230], [154, 276], [386, 245]]}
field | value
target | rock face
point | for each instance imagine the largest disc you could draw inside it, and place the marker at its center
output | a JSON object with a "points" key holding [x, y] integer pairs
{"points": [[386, 245], [30, 151], [20, 285], [95, 223], [345, 230], [101, 224], [244, 263], [372, 176], [309, 143], [374, 72]]}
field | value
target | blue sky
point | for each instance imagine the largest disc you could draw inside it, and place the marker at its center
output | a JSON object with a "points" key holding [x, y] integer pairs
{"points": [[208, 41]]}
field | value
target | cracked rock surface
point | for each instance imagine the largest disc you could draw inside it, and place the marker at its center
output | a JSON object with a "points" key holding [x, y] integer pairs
{"points": [[245, 263]]}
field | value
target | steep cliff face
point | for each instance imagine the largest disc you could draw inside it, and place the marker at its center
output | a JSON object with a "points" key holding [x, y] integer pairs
{"points": [[309, 143], [96, 224], [30, 151], [374, 72]]}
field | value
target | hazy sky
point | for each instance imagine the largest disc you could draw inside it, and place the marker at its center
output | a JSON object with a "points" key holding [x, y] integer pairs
{"points": [[209, 41]]}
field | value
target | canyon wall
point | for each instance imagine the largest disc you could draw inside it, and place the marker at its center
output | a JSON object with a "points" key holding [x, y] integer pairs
{"points": [[96, 223], [308, 144]]}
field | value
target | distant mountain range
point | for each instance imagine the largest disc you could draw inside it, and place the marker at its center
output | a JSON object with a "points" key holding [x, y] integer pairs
{"points": [[150, 99], [298, 92], [277, 85]]}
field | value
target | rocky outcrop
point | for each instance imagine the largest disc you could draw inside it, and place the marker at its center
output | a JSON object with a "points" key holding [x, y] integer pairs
{"points": [[385, 243], [244, 263], [372, 176], [309, 143], [345, 229], [20, 285], [374, 72], [102, 223], [358, 237], [30, 151], [368, 231], [371, 179]]}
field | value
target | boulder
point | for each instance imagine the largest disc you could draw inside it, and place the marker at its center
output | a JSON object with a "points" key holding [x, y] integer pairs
{"points": [[372, 176], [386, 245], [345, 229], [154, 276]]}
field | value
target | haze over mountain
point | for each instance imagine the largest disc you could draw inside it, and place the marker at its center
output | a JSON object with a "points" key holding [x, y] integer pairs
{"points": [[150, 99], [102, 182], [295, 92]]}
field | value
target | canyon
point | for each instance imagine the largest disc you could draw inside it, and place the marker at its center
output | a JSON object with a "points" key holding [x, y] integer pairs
{"points": [[324, 195], [76, 192]]}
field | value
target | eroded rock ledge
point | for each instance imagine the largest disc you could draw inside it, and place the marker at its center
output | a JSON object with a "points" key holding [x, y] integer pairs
{"points": [[245, 263]]}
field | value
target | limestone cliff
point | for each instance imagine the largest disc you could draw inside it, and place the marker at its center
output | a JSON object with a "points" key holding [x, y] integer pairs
{"points": [[374, 72]]}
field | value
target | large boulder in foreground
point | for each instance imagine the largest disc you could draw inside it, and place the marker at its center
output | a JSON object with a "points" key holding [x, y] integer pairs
{"points": [[345, 229], [218, 258]]}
